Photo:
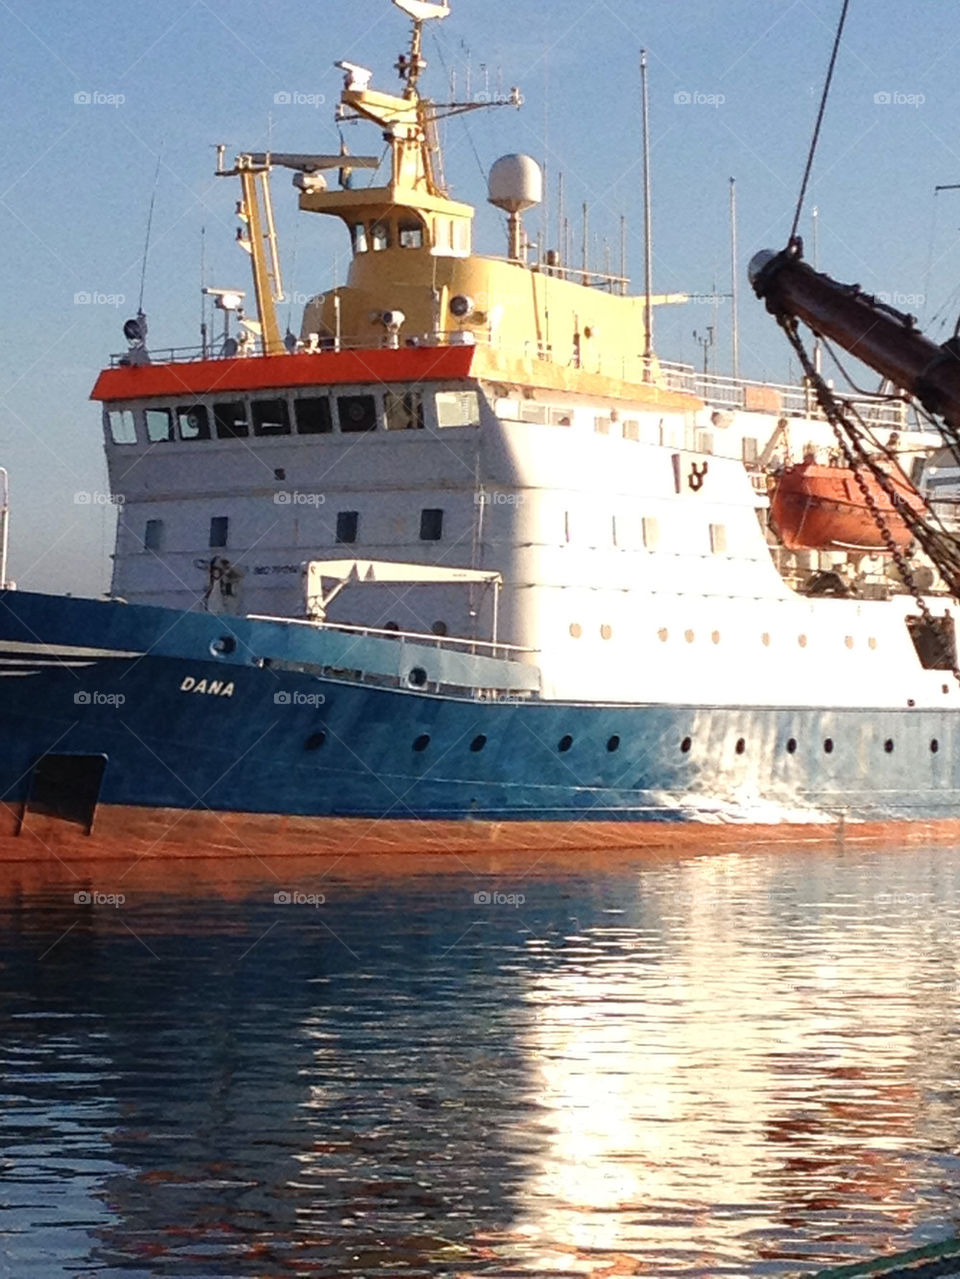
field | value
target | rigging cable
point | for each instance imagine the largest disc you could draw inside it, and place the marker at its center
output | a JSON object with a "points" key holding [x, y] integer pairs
{"points": [[146, 247], [820, 115]]}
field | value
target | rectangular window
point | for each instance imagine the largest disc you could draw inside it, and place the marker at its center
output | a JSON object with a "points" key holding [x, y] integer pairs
{"points": [[561, 417], [601, 425], [231, 420], [704, 442], [403, 412], [567, 527], [535, 413], [631, 430], [123, 428], [159, 425], [219, 531], [357, 413], [153, 535], [380, 236], [313, 415], [411, 234], [935, 642], [651, 532], [359, 234], [750, 449], [718, 539], [431, 525], [348, 524], [270, 417], [193, 422], [458, 408]]}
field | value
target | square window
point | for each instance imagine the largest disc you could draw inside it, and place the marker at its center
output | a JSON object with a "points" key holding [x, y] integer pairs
{"points": [[123, 429], [411, 234], [219, 531], [357, 413], [313, 415], [431, 525], [348, 524], [153, 535], [458, 408], [270, 417], [159, 425], [193, 422], [403, 412], [631, 430], [231, 420]]}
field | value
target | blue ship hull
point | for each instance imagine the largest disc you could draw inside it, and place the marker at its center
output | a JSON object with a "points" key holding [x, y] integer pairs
{"points": [[110, 709]]}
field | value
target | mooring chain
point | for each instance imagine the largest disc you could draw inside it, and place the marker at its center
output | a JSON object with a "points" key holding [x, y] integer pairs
{"points": [[847, 435]]}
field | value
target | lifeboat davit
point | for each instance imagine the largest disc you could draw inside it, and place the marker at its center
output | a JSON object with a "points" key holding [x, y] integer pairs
{"points": [[822, 508]]}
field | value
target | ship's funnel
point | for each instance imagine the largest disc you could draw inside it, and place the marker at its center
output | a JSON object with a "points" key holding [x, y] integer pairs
{"points": [[515, 185]]}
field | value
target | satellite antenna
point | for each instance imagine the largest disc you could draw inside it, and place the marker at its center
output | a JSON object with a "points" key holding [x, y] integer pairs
{"points": [[422, 11]]}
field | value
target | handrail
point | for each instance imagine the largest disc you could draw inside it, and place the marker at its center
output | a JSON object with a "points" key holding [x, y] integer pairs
{"points": [[438, 641]]}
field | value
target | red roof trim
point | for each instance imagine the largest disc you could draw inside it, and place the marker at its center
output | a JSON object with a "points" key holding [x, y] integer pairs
{"points": [[204, 377]]}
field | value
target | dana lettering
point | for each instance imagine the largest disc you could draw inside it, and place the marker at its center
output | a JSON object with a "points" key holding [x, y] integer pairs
{"points": [[212, 688]]}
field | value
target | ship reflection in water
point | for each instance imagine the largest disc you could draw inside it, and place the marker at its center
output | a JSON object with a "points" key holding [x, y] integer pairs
{"points": [[743, 1065]]}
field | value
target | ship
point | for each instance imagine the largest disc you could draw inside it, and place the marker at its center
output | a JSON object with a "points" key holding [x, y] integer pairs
{"points": [[464, 565]]}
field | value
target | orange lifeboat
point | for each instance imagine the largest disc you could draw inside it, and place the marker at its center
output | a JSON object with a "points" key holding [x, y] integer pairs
{"points": [[822, 508]]}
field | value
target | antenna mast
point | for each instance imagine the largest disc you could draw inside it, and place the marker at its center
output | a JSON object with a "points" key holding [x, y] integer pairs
{"points": [[647, 226]]}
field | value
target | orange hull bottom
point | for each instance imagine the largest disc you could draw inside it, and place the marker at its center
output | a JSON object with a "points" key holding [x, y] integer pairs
{"points": [[157, 850]]}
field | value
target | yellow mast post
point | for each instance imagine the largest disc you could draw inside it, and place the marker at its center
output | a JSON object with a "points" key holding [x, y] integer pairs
{"points": [[260, 241]]}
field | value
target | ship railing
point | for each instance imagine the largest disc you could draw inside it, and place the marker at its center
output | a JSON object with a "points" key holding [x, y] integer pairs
{"points": [[775, 397], [486, 648]]}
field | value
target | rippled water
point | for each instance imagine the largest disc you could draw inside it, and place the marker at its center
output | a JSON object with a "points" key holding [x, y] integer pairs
{"points": [[744, 1064]]}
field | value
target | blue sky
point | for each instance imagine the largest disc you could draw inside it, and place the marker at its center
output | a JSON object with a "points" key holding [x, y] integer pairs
{"points": [[79, 176]]}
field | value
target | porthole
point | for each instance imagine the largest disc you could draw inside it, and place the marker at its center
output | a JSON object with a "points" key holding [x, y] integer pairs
{"points": [[440, 628], [715, 637], [478, 744], [686, 744], [422, 742], [828, 746], [663, 635], [576, 630], [802, 641], [792, 746], [225, 644], [564, 744], [765, 640], [315, 742], [888, 745], [741, 745], [417, 677], [872, 643], [689, 636], [849, 641], [934, 746], [606, 632], [613, 744]]}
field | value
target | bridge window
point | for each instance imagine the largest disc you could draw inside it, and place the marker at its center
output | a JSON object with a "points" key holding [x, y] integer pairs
{"points": [[348, 524], [193, 422], [380, 236], [231, 420], [403, 412], [431, 525], [313, 415], [159, 425], [411, 233], [153, 535], [458, 408], [357, 413], [358, 234], [219, 531], [271, 417], [123, 428]]}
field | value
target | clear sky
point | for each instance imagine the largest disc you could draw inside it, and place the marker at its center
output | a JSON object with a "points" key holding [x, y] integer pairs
{"points": [[173, 79]]}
